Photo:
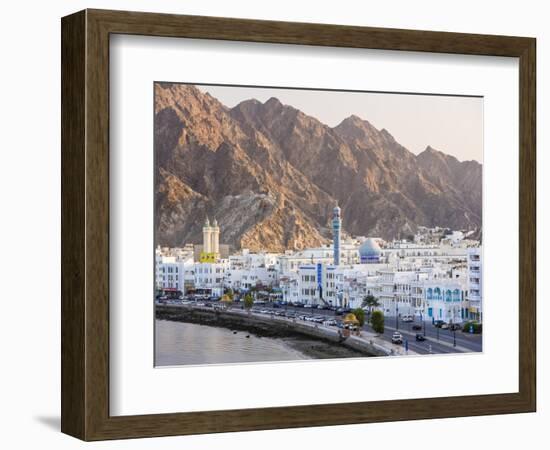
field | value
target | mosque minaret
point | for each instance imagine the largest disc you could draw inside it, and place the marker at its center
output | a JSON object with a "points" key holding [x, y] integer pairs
{"points": [[336, 232], [206, 239], [215, 238], [211, 238]]}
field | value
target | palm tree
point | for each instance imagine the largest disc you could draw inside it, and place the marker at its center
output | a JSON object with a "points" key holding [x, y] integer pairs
{"points": [[370, 301]]}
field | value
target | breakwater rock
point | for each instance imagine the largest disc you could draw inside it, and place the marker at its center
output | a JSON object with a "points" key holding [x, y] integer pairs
{"points": [[314, 341]]}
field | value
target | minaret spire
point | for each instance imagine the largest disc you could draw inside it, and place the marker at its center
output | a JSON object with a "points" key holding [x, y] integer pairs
{"points": [[207, 236], [336, 231]]}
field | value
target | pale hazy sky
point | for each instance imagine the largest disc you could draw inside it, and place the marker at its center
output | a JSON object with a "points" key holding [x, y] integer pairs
{"points": [[453, 125]]}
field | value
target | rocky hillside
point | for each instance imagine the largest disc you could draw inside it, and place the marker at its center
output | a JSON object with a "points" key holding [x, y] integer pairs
{"points": [[271, 175]]}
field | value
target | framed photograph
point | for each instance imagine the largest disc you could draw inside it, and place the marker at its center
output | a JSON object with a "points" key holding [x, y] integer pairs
{"points": [[272, 225]]}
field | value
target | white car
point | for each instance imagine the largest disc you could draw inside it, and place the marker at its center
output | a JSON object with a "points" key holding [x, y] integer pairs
{"points": [[397, 338]]}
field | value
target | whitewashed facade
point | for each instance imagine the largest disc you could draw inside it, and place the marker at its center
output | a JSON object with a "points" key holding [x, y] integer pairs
{"points": [[475, 284]]}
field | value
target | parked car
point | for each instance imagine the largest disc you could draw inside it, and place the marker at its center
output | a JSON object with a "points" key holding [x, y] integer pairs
{"points": [[420, 337], [407, 319], [438, 323], [397, 338], [455, 326], [444, 326], [308, 306], [417, 327], [342, 311]]}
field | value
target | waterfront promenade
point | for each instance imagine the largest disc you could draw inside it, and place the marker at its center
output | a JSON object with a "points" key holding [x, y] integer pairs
{"points": [[366, 342], [438, 341]]}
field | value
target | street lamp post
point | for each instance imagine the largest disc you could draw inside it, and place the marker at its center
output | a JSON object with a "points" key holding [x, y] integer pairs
{"points": [[454, 336], [396, 316], [423, 323]]}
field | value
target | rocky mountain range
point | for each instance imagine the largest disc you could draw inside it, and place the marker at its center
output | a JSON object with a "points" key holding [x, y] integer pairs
{"points": [[271, 175]]}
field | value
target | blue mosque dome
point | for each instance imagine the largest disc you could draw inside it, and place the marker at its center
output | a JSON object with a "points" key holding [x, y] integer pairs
{"points": [[370, 251]]}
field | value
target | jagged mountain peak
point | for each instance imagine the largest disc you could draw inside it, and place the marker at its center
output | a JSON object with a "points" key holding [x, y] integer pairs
{"points": [[429, 151], [354, 119], [268, 166], [273, 102], [355, 122]]}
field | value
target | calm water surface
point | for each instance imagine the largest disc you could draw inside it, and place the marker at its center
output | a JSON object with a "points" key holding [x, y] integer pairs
{"points": [[179, 343]]}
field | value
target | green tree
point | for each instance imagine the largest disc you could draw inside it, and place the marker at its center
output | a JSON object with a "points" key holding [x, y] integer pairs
{"points": [[359, 313], [377, 322], [370, 301], [248, 301]]}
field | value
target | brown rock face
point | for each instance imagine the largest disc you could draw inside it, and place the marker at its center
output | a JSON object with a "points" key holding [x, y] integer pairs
{"points": [[271, 175]]}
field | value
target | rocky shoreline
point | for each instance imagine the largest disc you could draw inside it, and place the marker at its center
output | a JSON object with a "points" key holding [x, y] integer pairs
{"points": [[311, 347]]}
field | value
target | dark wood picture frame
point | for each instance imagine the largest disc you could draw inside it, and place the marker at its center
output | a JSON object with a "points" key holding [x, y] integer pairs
{"points": [[85, 224]]}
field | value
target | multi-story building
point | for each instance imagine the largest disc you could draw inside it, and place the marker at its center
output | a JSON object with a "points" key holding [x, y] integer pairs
{"points": [[173, 271], [445, 299], [474, 293], [240, 279], [210, 277]]}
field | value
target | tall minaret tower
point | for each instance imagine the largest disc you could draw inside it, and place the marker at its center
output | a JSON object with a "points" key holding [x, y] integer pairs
{"points": [[336, 229], [215, 236], [206, 237]]}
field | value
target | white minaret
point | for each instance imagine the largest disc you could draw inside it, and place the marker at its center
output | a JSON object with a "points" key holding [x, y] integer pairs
{"points": [[206, 237], [215, 237]]}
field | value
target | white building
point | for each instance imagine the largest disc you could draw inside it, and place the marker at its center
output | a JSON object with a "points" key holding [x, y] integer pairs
{"points": [[174, 269], [445, 300], [355, 282], [240, 279], [310, 284], [210, 277], [475, 291], [395, 294], [248, 270]]}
